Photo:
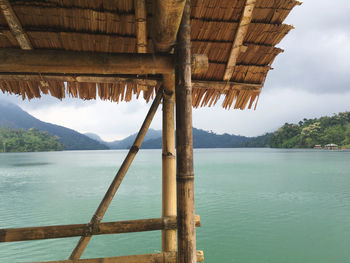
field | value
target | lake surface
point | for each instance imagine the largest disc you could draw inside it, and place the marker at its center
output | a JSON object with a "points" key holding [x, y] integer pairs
{"points": [[256, 205]]}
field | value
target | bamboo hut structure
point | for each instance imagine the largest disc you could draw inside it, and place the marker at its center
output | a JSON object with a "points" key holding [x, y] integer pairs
{"points": [[182, 53]]}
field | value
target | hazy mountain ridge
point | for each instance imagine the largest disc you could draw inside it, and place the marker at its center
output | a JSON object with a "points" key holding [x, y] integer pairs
{"points": [[12, 116], [205, 139], [201, 139]]}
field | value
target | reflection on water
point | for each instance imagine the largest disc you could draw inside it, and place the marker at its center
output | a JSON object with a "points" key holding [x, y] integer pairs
{"points": [[256, 205], [30, 164]]}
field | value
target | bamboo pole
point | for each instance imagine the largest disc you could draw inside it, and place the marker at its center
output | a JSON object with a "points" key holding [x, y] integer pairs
{"points": [[165, 257], [107, 199], [141, 25], [62, 231], [73, 62], [184, 146], [168, 161], [165, 23]]}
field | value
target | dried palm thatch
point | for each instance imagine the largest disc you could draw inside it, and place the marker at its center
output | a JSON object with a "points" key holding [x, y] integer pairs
{"points": [[243, 31]]}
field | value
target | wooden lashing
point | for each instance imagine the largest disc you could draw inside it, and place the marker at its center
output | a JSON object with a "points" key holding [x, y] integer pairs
{"points": [[15, 25], [107, 199], [141, 25], [237, 45], [168, 161], [186, 232]]}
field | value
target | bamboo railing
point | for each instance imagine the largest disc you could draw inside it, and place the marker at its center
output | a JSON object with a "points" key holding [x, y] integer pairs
{"points": [[63, 231]]}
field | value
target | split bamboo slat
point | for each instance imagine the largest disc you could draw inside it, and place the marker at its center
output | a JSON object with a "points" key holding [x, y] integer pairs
{"points": [[239, 38], [186, 232], [165, 257], [15, 25], [107, 199], [63, 231]]}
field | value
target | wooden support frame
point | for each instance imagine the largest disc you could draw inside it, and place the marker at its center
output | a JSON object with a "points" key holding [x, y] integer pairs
{"points": [[237, 45], [168, 161], [184, 145], [15, 25], [63, 231], [107, 199], [165, 257]]}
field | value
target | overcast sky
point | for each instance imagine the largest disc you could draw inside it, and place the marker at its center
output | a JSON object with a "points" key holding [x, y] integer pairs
{"points": [[310, 79]]}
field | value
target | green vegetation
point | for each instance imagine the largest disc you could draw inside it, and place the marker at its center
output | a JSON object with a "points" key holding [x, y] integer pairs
{"points": [[14, 117], [310, 132], [31, 140]]}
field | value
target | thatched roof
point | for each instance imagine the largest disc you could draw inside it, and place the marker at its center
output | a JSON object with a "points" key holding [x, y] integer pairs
{"points": [[240, 46]]}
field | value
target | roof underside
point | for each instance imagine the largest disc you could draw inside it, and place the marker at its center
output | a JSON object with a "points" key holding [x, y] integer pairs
{"points": [[111, 26]]}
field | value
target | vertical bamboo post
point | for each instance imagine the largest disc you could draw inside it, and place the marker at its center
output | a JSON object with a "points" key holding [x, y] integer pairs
{"points": [[184, 145], [168, 161]]}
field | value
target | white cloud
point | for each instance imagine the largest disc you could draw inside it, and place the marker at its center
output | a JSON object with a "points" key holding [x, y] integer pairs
{"points": [[275, 107]]}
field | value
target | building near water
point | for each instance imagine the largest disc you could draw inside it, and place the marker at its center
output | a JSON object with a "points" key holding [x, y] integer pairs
{"points": [[317, 146], [331, 146], [179, 52]]}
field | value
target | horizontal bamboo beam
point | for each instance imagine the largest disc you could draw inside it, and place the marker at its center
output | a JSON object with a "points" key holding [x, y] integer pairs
{"points": [[15, 25], [62, 231], [167, 16], [70, 62], [165, 257]]}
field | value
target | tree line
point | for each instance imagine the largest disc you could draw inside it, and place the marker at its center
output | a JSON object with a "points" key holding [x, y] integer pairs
{"points": [[31, 140], [311, 132]]}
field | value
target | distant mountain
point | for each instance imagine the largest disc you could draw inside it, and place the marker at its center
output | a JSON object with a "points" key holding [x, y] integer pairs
{"points": [[14, 117], [128, 141], [205, 139], [201, 139], [95, 137]]}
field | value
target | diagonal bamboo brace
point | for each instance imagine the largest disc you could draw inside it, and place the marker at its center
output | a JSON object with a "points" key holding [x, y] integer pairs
{"points": [[107, 199]]}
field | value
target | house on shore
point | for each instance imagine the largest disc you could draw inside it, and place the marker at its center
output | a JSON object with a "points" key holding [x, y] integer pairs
{"points": [[331, 146], [317, 146]]}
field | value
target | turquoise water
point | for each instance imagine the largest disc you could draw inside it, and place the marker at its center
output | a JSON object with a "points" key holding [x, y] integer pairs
{"points": [[256, 205]]}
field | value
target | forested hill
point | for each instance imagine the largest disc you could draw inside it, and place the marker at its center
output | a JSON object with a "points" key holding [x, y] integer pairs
{"points": [[31, 140], [311, 132], [12, 116], [206, 139]]}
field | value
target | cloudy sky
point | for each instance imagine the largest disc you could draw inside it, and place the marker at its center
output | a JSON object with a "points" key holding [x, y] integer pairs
{"points": [[310, 79]]}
